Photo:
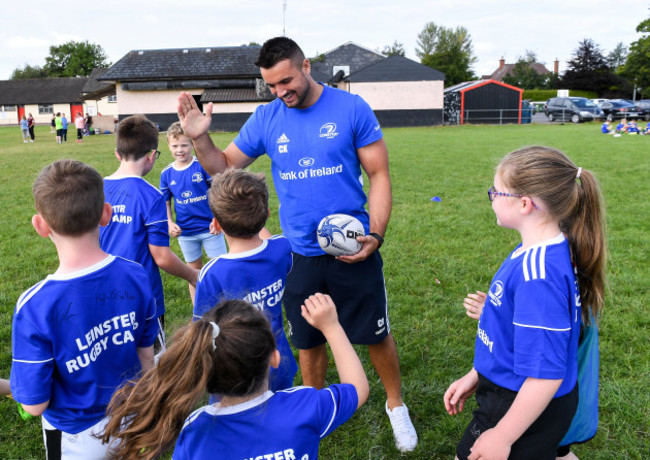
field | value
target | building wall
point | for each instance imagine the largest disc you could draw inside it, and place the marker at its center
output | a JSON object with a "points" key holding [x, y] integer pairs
{"points": [[11, 118], [403, 95]]}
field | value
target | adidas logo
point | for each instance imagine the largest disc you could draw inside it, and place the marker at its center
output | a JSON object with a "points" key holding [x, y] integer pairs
{"points": [[283, 139]]}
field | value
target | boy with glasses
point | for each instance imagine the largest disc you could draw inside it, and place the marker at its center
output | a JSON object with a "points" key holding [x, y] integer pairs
{"points": [[138, 228]]}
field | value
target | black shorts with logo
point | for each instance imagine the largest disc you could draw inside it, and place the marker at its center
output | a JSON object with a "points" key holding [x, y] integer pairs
{"points": [[539, 442], [358, 290]]}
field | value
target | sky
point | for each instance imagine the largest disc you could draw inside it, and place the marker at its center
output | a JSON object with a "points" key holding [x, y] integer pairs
{"points": [[552, 29]]}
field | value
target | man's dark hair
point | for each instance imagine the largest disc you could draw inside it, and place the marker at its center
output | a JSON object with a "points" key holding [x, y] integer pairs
{"points": [[279, 48]]}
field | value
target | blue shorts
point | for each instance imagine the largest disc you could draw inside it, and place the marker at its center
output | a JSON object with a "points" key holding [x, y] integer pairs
{"points": [[358, 290], [192, 246]]}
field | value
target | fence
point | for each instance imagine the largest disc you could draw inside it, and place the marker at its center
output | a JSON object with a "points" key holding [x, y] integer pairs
{"points": [[489, 116]]}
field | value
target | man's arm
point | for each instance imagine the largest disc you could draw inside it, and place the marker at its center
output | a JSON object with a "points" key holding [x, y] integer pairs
{"points": [[374, 160], [196, 124], [168, 261]]}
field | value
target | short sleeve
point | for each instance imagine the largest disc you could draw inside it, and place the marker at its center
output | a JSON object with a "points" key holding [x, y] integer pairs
{"points": [[250, 139], [337, 404], [367, 128], [542, 321], [32, 364], [164, 186], [156, 223]]}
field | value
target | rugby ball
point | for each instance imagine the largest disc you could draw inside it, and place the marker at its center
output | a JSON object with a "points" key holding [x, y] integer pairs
{"points": [[337, 234]]}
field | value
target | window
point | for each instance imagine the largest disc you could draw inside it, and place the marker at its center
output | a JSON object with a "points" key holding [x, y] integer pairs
{"points": [[44, 109], [9, 108], [112, 98]]}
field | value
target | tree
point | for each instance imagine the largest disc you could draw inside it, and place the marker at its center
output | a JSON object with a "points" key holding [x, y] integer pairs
{"points": [[28, 72], [588, 70], [637, 65], [616, 58], [396, 49], [447, 50], [74, 59], [524, 76]]}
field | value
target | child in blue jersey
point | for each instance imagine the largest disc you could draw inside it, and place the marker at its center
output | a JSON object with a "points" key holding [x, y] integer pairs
{"points": [[606, 128], [525, 359], [87, 328], [186, 182], [229, 352], [254, 269], [138, 228]]}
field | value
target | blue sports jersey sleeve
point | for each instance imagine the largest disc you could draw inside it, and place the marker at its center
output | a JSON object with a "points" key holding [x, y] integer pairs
{"points": [[156, 223], [337, 405], [164, 185], [250, 139], [542, 330], [367, 127]]}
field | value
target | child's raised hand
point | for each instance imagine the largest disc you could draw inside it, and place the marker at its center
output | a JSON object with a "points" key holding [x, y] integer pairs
{"points": [[320, 312], [474, 303]]}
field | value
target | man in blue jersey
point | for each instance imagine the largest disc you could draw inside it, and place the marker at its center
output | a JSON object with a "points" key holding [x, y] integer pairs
{"points": [[84, 330], [318, 139], [138, 228]]}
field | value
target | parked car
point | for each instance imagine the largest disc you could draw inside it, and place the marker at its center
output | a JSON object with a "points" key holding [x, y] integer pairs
{"points": [[618, 108], [598, 101], [644, 108], [576, 109]]}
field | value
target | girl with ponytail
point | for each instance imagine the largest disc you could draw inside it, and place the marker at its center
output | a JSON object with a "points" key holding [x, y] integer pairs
{"points": [[551, 286], [229, 352]]}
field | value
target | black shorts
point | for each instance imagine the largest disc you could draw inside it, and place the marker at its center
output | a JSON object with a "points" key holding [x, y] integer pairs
{"points": [[358, 290], [539, 442]]}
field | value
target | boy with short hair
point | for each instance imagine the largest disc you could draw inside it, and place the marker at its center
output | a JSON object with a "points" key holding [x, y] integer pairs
{"points": [[138, 229], [254, 269], [187, 183], [84, 330]]}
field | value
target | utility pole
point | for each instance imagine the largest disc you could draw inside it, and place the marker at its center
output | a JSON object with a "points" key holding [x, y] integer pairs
{"points": [[284, 14]]}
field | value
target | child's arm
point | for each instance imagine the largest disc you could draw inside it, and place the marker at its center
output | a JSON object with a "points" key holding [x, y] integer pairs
{"points": [[36, 409], [533, 397], [474, 303], [459, 391], [145, 355], [174, 229], [170, 262], [5, 388], [320, 312]]}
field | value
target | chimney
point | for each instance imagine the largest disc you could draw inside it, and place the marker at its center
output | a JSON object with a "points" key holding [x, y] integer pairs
{"points": [[502, 62], [556, 67]]}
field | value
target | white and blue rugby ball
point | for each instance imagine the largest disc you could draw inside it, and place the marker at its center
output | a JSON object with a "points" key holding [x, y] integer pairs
{"points": [[337, 234]]}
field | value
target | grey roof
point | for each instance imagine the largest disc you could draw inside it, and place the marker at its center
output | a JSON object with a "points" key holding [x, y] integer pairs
{"points": [[396, 68], [96, 90], [506, 69], [348, 54], [182, 64], [41, 90]]}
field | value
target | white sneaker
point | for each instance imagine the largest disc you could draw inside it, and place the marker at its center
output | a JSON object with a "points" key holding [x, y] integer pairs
{"points": [[405, 436]]}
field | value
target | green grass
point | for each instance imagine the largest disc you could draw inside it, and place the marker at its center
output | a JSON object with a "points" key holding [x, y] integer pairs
{"points": [[435, 252]]}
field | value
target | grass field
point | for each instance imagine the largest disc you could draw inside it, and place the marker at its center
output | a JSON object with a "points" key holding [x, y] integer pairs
{"points": [[435, 253]]}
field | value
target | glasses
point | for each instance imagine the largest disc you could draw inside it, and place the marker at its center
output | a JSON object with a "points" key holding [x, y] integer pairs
{"points": [[157, 152], [492, 192]]}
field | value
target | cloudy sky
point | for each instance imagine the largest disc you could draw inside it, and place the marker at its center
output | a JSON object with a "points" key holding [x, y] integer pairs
{"points": [[550, 28]]}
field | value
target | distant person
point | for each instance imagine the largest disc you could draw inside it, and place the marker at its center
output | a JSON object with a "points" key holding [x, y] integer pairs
{"points": [[330, 135], [185, 183], [255, 269], [24, 127], [632, 127], [606, 128], [53, 124], [85, 329], [89, 123], [229, 352], [64, 128], [525, 369], [31, 123], [59, 128], [621, 127], [80, 124], [138, 229]]}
